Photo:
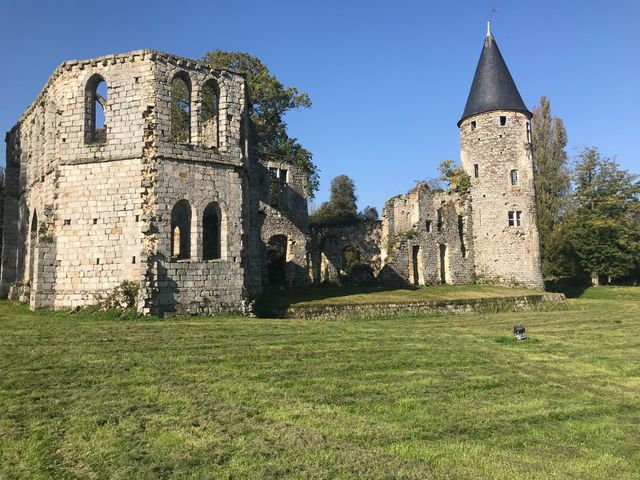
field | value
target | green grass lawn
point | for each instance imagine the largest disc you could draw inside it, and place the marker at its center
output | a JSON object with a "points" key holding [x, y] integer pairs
{"points": [[442, 396], [322, 296]]}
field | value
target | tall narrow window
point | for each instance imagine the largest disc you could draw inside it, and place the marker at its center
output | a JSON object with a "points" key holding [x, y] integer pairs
{"points": [[503, 121], [210, 114], [440, 219], [95, 105], [463, 247], [515, 218], [528, 132], [428, 226], [278, 188], [181, 230], [473, 125], [211, 232], [181, 108], [514, 177], [33, 240], [476, 170]]}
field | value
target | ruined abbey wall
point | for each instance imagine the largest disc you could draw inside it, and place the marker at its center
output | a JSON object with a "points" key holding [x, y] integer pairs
{"points": [[330, 244], [427, 238]]}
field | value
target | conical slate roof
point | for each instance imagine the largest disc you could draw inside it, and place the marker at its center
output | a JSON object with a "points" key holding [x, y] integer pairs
{"points": [[493, 87]]}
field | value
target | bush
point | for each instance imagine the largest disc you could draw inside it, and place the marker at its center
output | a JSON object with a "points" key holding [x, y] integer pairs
{"points": [[123, 296]]}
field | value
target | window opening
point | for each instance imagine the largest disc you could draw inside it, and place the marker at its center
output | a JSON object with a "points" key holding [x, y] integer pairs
{"points": [[440, 219], [514, 177], [210, 115], [515, 218], [350, 258], [95, 105], [181, 108], [278, 187], [503, 121], [211, 232], [181, 230], [463, 247], [476, 170]]}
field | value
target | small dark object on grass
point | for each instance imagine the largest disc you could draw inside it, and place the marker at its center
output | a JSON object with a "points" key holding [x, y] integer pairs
{"points": [[519, 332]]}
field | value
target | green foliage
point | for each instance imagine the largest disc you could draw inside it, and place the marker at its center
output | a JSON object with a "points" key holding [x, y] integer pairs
{"points": [[180, 111], [341, 209], [552, 185], [269, 101], [605, 221], [455, 177], [124, 296], [369, 213]]}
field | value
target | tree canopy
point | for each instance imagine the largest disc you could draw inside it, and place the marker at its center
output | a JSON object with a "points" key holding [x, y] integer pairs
{"points": [[604, 223], [341, 209], [455, 177], [552, 186], [269, 101]]}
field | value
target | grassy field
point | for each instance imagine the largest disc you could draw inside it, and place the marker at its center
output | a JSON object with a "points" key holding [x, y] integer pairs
{"points": [[318, 296], [442, 396]]}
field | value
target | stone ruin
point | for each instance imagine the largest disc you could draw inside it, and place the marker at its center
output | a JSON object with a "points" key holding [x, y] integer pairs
{"points": [[141, 167]]}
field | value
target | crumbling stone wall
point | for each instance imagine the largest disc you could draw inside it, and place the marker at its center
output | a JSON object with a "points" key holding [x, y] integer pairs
{"points": [[504, 254], [279, 230], [427, 238], [328, 245]]}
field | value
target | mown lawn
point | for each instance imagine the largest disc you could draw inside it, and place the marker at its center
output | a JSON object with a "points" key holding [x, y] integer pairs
{"points": [[334, 295], [443, 396]]}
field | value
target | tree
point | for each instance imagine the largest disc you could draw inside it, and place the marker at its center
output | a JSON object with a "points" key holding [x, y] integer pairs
{"points": [[269, 100], [341, 209], [457, 179], [369, 213], [552, 186], [605, 223]]}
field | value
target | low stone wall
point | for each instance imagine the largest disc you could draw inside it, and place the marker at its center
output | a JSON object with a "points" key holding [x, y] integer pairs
{"points": [[496, 304]]}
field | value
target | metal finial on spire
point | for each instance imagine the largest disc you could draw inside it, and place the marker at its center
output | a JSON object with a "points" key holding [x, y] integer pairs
{"points": [[493, 10]]}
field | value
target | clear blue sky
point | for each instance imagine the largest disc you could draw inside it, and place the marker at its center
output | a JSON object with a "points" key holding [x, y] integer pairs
{"points": [[388, 80]]}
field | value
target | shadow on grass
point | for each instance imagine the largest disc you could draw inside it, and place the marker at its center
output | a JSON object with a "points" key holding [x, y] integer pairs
{"points": [[274, 298], [572, 287]]}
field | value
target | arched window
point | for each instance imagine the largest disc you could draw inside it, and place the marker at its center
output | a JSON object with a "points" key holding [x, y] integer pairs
{"points": [[210, 114], [514, 177], [95, 104], [211, 232], [181, 108], [181, 230]]}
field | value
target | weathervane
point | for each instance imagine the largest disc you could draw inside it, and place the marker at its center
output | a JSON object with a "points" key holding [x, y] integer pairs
{"points": [[493, 10]]}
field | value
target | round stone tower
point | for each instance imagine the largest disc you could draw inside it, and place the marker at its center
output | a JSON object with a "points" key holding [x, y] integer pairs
{"points": [[495, 150]]}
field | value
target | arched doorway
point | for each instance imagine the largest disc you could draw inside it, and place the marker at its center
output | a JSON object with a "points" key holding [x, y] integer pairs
{"points": [[277, 260]]}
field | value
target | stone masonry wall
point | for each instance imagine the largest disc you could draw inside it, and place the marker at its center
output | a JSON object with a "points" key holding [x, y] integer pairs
{"points": [[329, 243], [421, 250], [508, 255], [200, 173], [276, 220], [100, 207]]}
